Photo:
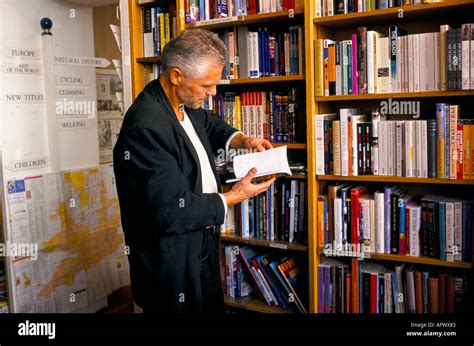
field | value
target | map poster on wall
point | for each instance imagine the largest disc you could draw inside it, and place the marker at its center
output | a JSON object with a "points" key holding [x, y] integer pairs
{"points": [[109, 111]]}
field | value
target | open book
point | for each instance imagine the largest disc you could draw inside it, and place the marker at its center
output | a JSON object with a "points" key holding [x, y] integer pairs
{"points": [[268, 163]]}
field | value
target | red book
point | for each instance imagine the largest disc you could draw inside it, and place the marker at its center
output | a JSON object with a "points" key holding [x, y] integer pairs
{"points": [[355, 285], [356, 193], [373, 293], [252, 7], [433, 295], [442, 293], [419, 292]]}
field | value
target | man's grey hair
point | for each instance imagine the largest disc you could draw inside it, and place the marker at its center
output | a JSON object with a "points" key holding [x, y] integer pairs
{"points": [[192, 51]]}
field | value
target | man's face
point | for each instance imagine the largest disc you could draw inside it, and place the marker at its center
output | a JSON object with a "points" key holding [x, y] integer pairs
{"points": [[192, 92]]}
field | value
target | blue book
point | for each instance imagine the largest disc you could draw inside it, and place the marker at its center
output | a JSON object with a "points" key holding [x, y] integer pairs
{"points": [[277, 58], [202, 10], [394, 32], [288, 292], [266, 51], [388, 191], [425, 292], [381, 4], [395, 292], [276, 292], [321, 283], [260, 53], [447, 157]]}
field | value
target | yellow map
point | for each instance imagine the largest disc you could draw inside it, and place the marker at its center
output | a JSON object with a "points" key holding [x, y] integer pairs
{"points": [[74, 218]]}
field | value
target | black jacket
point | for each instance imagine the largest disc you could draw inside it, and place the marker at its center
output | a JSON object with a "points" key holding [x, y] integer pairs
{"points": [[163, 209]]}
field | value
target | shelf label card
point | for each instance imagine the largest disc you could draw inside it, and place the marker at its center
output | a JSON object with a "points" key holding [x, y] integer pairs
{"points": [[22, 97], [24, 164], [21, 53], [81, 61], [21, 68]]}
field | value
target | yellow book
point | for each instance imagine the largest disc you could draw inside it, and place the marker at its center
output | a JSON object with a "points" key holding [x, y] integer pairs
{"points": [[318, 68], [162, 32]]}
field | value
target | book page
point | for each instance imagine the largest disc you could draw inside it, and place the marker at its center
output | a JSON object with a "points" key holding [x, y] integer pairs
{"points": [[268, 162]]}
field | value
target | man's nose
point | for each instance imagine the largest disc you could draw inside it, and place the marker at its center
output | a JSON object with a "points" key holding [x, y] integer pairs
{"points": [[212, 91]]}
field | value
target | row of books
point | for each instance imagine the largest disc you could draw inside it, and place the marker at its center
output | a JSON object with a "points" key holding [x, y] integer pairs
{"points": [[371, 63], [351, 144], [392, 221], [326, 8], [264, 52], [368, 287], [159, 27], [206, 10], [278, 281], [272, 115], [277, 214]]}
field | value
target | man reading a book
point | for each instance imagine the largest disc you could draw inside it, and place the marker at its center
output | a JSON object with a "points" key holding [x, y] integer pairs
{"points": [[167, 183]]}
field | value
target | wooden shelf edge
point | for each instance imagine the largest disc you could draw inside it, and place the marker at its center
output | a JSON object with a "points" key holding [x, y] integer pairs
{"points": [[382, 14], [149, 60], [260, 80], [409, 95], [254, 304], [245, 20], [290, 145], [392, 179], [408, 259], [276, 244]]}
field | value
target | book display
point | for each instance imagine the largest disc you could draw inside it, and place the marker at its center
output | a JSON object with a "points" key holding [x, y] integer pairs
{"points": [[391, 195], [62, 101]]}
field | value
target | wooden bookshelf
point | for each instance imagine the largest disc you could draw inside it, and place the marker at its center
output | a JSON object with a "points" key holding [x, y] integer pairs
{"points": [[296, 176], [391, 15], [412, 95], [290, 145], [410, 259], [336, 27], [276, 244], [152, 3], [399, 180], [149, 60], [254, 304], [261, 80], [262, 18]]}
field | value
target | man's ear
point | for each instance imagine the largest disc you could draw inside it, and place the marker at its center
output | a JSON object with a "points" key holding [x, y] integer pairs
{"points": [[175, 76]]}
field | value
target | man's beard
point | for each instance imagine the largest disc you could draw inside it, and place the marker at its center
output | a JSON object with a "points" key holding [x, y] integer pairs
{"points": [[186, 97]]}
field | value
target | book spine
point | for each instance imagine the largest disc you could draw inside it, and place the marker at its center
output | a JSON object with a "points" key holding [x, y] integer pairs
{"points": [[453, 125], [467, 149], [336, 147], [362, 60], [449, 232], [441, 139], [443, 54], [355, 73]]}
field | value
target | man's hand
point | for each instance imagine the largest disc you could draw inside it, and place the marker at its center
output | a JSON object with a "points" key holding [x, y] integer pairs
{"points": [[245, 189], [258, 144], [245, 142]]}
